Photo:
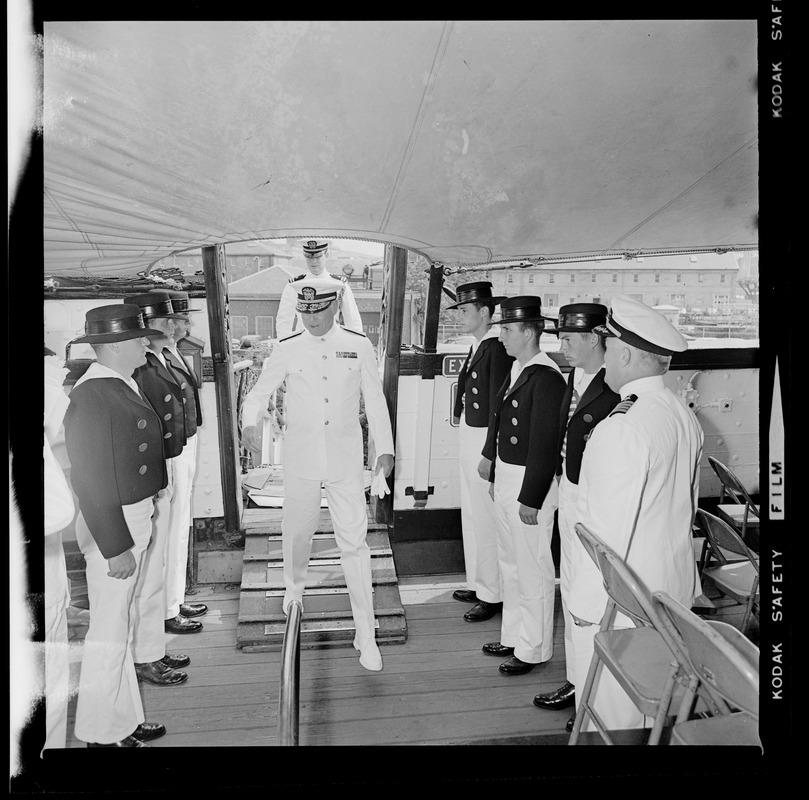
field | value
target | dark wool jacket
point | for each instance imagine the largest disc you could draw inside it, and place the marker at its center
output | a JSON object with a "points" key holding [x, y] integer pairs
{"points": [[594, 405], [524, 429], [188, 384], [479, 380], [160, 385], [114, 441]]}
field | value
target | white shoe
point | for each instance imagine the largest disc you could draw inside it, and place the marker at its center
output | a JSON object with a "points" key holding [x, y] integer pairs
{"points": [[288, 598], [370, 657]]}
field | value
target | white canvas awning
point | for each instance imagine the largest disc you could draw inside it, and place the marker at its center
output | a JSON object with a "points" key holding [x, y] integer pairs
{"points": [[468, 141]]}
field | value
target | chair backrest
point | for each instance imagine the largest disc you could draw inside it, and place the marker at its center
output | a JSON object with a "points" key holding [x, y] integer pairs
{"points": [[621, 582], [721, 537], [732, 485], [726, 663]]}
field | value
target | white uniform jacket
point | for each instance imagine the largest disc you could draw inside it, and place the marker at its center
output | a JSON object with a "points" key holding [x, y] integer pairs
{"points": [[287, 313], [640, 482], [324, 376]]}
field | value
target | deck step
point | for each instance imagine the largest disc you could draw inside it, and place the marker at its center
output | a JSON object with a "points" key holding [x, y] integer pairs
{"points": [[327, 620], [324, 546]]}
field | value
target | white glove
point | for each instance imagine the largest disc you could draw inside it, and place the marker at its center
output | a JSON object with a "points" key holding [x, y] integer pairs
{"points": [[379, 485]]}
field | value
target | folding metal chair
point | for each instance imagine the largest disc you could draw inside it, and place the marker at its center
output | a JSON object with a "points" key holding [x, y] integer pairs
{"points": [[737, 513], [722, 664], [736, 578], [641, 658]]}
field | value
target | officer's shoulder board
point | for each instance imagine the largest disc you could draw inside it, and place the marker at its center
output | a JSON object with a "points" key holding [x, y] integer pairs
{"points": [[297, 278], [291, 336], [356, 333], [624, 405]]}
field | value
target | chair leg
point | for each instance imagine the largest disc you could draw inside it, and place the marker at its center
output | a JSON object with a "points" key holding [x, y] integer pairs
{"points": [[664, 705], [688, 701], [584, 709], [747, 613]]}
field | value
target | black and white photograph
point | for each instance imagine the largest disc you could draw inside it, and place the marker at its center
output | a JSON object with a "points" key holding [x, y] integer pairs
{"points": [[408, 383]]}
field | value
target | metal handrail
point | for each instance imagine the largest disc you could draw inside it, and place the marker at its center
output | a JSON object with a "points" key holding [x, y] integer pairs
{"points": [[289, 693]]}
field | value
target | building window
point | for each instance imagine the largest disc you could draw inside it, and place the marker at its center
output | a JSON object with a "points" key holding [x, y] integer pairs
{"points": [[510, 277], [657, 277], [615, 277], [700, 277], [572, 277], [722, 278], [679, 278], [531, 278], [550, 301], [238, 326], [677, 300], [635, 277], [593, 278], [265, 327], [550, 277]]}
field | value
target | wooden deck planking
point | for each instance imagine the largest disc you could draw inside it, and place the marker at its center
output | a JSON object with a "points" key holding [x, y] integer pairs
{"points": [[433, 689], [436, 688]]}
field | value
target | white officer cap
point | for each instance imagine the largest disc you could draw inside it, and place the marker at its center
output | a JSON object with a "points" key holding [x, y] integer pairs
{"points": [[314, 294], [313, 248], [641, 326]]}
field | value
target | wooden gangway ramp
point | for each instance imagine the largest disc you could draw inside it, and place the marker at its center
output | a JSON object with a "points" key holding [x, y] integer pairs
{"points": [[327, 620]]}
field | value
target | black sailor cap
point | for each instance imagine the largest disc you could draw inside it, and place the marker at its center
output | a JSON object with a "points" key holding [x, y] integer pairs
{"points": [[477, 292]]}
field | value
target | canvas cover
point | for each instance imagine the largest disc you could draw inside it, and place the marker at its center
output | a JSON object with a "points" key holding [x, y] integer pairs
{"points": [[470, 141]]}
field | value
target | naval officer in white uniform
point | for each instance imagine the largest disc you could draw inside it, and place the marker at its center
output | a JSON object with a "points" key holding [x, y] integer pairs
{"points": [[638, 489], [325, 367], [316, 255]]}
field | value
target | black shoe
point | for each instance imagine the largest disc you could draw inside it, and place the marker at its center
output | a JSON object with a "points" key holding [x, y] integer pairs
{"points": [[147, 731], [483, 611], [563, 697], [497, 649], [570, 723], [180, 624], [128, 741], [465, 596], [176, 662], [514, 666], [159, 674], [193, 609]]}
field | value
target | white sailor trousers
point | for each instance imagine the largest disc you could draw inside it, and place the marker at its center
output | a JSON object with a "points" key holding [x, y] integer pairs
{"points": [[346, 500], [149, 637], [185, 465], [109, 706], [526, 566], [57, 661], [568, 495], [478, 524]]}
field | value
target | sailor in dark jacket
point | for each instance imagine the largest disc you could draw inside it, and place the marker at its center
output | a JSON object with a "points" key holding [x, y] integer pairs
{"points": [[481, 376], [587, 401], [519, 458], [161, 385], [114, 441], [185, 466]]}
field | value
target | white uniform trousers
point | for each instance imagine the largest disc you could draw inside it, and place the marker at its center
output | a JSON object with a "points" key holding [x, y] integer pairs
{"points": [[149, 636], [185, 465], [610, 701], [346, 499], [478, 524], [109, 706], [57, 661], [568, 494], [526, 567]]}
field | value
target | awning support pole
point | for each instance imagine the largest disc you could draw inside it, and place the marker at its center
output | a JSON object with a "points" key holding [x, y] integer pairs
{"points": [[215, 272]]}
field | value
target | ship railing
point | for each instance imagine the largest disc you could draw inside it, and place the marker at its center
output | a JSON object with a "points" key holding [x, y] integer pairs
{"points": [[289, 693]]}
